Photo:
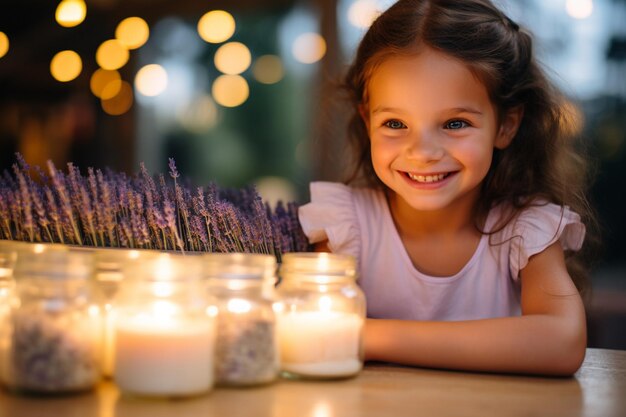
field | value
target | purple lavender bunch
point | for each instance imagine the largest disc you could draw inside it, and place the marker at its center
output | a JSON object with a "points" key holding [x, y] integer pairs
{"points": [[111, 209]]}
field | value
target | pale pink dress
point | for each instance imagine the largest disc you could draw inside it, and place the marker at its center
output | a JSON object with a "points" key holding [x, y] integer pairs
{"points": [[357, 221]]}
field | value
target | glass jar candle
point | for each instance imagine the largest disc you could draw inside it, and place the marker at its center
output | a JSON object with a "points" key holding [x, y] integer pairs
{"points": [[52, 336], [108, 275], [7, 263], [164, 328], [243, 287], [321, 316]]}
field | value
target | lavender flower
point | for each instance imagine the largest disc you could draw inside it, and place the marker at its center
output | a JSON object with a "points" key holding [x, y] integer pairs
{"points": [[111, 209]]}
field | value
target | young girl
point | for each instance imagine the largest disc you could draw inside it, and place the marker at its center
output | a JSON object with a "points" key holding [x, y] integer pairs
{"points": [[474, 195]]}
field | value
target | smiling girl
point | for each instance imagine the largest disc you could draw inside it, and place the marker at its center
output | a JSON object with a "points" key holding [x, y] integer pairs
{"points": [[473, 200]]}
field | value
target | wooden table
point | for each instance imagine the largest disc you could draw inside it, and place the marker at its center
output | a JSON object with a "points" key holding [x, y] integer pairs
{"points": [[598, 389]]}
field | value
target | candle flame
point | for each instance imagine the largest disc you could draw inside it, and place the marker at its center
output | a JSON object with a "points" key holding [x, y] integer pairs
{"points": [[325, 303], [212, 311], [239, 306], [164, 308]]}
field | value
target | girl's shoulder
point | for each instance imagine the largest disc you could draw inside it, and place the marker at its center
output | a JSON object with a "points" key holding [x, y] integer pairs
{"points": [[532, 229], [343, 199], [334, 214]]}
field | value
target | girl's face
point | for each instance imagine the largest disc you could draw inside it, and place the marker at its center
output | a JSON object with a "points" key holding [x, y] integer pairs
{"points": [[432, 129]]}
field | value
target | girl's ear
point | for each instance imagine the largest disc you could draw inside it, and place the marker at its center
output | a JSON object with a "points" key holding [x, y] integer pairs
{"points": [[364, 115], [509, 126]]}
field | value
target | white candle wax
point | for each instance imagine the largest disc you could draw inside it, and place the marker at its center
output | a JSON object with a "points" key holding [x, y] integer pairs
{"points": [[164, 357], [320, 344]]}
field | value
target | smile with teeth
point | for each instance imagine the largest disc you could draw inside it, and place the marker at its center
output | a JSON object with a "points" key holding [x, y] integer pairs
{"points": [[427, 178]]}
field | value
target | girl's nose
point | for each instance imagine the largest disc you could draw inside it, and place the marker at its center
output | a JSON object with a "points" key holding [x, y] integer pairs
{"points": [[425, 147]]}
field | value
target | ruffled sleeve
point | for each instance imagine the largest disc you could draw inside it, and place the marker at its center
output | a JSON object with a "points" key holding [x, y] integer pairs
{"points": [[539, 227], [331, 216]]}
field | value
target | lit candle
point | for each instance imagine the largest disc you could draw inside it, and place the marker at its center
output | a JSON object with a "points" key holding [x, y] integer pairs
{"points": [[158, 355], [321, 313], [320, 344], [164, 328]]}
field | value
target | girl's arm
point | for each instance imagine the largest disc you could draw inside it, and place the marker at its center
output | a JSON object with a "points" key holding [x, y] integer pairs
{"points": [[549, 338]]}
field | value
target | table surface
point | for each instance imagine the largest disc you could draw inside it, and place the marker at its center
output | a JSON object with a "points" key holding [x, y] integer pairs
{"points": [[597, 389]]}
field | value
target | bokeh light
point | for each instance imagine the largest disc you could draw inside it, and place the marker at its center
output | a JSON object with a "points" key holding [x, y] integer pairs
{"points": [[121, 102], [4, 44], [112, 55], [230, 90], [274, 189], [111, 90], [579, 9], [309, 48], [232, 58], [216, 26], [268, 69], [132, 32], [66, 66], [200, 115], [70, 13], [362, 13], [151, 80], [101, 78]]}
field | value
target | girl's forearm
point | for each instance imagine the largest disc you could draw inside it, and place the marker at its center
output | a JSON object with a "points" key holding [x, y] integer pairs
{"points": [[537, 344]]}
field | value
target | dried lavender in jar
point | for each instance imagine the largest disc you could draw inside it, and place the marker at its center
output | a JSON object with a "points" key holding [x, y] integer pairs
{"points": [[245, 350], [46, 358], [51, 340]]}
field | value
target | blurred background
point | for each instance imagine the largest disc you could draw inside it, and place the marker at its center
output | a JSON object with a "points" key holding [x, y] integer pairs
{"points": [[245, 91]]}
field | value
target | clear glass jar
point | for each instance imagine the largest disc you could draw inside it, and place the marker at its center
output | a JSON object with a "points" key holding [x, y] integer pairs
{"points": [[243, 286], [108, 275], [164, 328], [7, 263], [52, 338], [322, 313]]}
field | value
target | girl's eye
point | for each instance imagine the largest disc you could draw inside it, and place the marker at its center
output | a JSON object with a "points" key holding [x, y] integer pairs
{"points": [[394, 124], [456, 124]]}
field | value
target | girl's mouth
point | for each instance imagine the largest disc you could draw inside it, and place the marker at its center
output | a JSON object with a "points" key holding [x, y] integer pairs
{"points": [[428, 178]]}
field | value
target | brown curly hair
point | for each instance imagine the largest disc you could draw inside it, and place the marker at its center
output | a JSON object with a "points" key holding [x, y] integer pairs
{"points": [[544, 162]]}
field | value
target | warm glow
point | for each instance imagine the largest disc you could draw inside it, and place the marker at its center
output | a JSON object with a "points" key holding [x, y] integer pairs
{"points": [[268, 69], [121, 103], [230, 90], [66, 65], [579, 9], [163, 270], [322, 409], [323, 263], [111, 89], [4, 44], [93, 311], [212, 311], [112, 55], [151, 80], [162, 312], [233, 58], [162, 289], [238, 306], [71, 13], [309, 48], [216, 26], [325, 303], [362, 13], [101, 79], [132, 32]]}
